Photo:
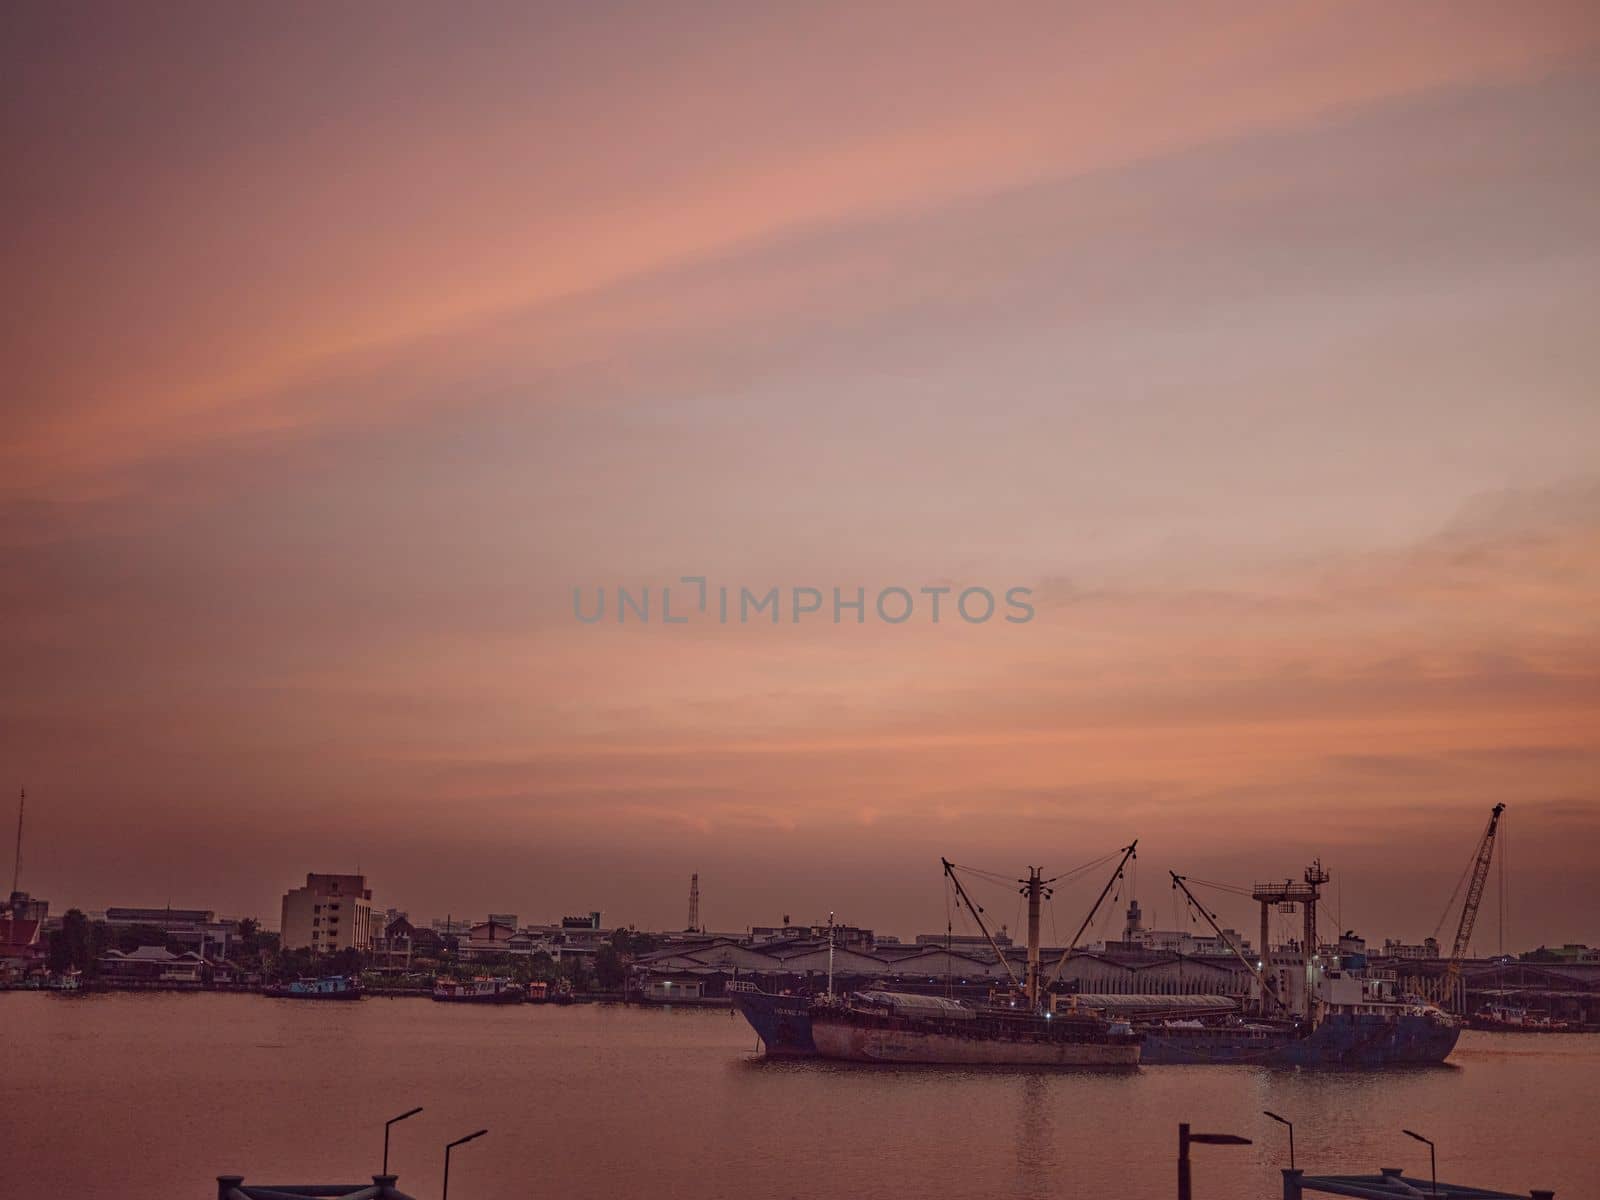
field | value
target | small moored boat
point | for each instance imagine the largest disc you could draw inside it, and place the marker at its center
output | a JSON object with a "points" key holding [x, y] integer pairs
{"points": [[479, 991], [329, 987]]}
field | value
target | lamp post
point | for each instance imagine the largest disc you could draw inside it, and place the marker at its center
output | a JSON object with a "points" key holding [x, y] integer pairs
{"points": [[1433, 1161], [386, 1124], [444, 1193], [1185, 1139], [1290, 1124]]}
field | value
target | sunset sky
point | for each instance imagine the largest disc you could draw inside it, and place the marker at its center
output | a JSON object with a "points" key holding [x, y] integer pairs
{"points": [[1260, 341]]}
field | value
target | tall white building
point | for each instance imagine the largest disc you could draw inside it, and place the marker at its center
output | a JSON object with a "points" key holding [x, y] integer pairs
{"points": [[331, 913]]}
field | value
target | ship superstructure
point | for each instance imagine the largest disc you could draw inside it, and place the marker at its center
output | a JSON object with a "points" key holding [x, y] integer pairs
{"points": [[1310, 1006]]}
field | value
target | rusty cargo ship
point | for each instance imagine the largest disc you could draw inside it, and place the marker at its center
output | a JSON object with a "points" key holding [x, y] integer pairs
{"points": [[1015, 1028]]}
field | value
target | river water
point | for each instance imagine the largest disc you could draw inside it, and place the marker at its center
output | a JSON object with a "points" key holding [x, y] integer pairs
{"points": [[146, 1096]]}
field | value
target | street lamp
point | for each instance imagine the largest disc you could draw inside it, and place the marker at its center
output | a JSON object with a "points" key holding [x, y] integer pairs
{"points": [[1433, 1162], [1185, 1139], [386, 1124], [444, 1193], [1290, 1124]]}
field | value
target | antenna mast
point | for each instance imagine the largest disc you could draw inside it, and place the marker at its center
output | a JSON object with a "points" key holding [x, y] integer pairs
{"points": [[694, 903], [16, 868]]}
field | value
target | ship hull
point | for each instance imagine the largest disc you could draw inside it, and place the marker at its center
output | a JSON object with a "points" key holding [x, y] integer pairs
{"points": [[1340, 1041], [843, 1041], [312, 992], [783, 1023]]}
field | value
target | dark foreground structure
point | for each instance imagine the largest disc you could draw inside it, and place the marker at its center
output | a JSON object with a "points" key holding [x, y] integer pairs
{"points": [[382, 1187], [1391, 1184]]}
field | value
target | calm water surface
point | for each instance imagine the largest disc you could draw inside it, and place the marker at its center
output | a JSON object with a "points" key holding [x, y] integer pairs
{"points": [[153, 1096]]}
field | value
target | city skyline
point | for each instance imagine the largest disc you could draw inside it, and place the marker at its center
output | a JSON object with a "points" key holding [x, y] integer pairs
{"points": [[1258, 344], [1231, 910]]}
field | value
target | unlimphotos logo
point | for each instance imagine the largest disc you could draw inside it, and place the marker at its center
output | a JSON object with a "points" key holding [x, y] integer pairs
{"points": [[727, 604]]}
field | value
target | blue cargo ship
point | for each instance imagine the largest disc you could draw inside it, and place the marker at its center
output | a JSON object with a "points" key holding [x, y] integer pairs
{"points": [[332, 987], [1340, 1040]]}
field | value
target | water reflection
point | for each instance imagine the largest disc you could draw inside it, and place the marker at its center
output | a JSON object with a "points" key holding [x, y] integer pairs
{"points": [[591, 1100]]}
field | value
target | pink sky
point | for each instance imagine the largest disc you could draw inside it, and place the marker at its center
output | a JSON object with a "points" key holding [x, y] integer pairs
{"points": [[1258, 340]]}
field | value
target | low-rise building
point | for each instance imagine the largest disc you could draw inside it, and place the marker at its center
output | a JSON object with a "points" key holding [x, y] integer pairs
{"points": [[490, 939], [1572, 952], [22, 952], [395, 944], [963, 941], [152, 965], [1393, 948], [197, 929]]}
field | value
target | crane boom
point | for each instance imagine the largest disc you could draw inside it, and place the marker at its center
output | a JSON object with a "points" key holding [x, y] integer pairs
{"points": [[1469, 910], [1127, 853], [977, 915], [1258, 969]]}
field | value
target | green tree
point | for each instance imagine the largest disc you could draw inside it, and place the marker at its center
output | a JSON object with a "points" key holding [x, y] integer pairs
{"points": [[609, 968], [348, 961], [72, 946], [630, 943], [250, 937], [576, 972]]}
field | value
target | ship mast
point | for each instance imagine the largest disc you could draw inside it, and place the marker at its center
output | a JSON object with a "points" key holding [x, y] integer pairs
{"points": [[1033, 887], [830, 956]]}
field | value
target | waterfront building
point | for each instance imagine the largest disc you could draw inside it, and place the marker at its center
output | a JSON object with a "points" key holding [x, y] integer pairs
{"points": [[1572, 952], [25, 908], [1393, 948], [21, 951], [1565, 991], [196, 929], [792, 963], [684, 989], [330, 913], [394, 946], [935, 962], [963, 941], [577, 937], [843, 935], [491, 939], [426, 943], [152, 965], [1187, 942]]}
